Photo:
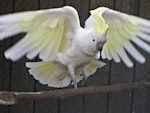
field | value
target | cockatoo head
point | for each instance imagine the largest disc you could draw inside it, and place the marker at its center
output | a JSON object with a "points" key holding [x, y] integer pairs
{"points": [[92, 42], [99, 33], [98, 40]]}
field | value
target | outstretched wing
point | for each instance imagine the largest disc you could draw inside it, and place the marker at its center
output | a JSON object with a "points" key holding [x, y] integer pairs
{"points": [[48, 32], [122, 30]]}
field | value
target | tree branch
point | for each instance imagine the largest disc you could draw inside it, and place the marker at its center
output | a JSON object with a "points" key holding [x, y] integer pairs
{"points": [[11, 98]]}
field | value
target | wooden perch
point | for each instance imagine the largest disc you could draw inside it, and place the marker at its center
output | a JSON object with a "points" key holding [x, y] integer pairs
{"points": [[11, 98]]}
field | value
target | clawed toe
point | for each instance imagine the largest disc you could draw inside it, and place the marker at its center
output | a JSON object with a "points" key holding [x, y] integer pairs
{"points": [[74, 80], [84, 77]]}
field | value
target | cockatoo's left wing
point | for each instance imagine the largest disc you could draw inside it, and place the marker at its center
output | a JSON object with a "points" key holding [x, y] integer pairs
{"points": [[122, 29], [48, 32]]}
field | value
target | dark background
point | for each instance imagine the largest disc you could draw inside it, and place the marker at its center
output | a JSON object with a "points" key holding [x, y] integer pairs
{"points": [[14, 76]]}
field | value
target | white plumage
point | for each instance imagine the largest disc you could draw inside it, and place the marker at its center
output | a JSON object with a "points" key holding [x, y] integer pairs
{"points": [[67, 50]]}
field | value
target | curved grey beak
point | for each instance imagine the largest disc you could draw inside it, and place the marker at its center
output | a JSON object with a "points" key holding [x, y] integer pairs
{"points": [[100, 46]]}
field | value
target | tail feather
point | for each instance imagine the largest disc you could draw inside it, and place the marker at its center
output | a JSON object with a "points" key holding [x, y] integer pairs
{"points": [[47, 73], [63, 83], [92, 67]]}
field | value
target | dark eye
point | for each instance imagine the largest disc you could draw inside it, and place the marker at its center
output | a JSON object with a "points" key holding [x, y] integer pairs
{"points": [[93, 40]]}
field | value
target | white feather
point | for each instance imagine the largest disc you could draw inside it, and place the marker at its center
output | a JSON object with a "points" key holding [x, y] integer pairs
{"points": [[125, 58], [141, 44], [134, 53], [18, 50], [141, 21], [143, 36], [116, 57]]}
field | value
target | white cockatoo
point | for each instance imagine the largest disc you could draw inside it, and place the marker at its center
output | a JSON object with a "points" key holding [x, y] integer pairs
{"points": [[66, 49]]}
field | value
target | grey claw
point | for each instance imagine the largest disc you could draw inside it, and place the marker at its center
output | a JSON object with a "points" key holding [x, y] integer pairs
{"points": [[84, 77], [74, 80]]}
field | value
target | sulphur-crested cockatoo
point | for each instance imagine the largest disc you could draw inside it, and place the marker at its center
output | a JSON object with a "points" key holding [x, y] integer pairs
{"points": [[67, 50]]}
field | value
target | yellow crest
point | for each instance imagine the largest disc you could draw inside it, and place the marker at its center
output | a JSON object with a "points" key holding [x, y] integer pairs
{"points": [[100, 24]]}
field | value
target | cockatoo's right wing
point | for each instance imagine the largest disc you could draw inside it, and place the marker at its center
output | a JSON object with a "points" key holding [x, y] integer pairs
{"points": [[48, 32]]}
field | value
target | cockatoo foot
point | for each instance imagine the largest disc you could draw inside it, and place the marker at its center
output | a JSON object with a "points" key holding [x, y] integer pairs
{"points": [[74, 80], [84, 77]]}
